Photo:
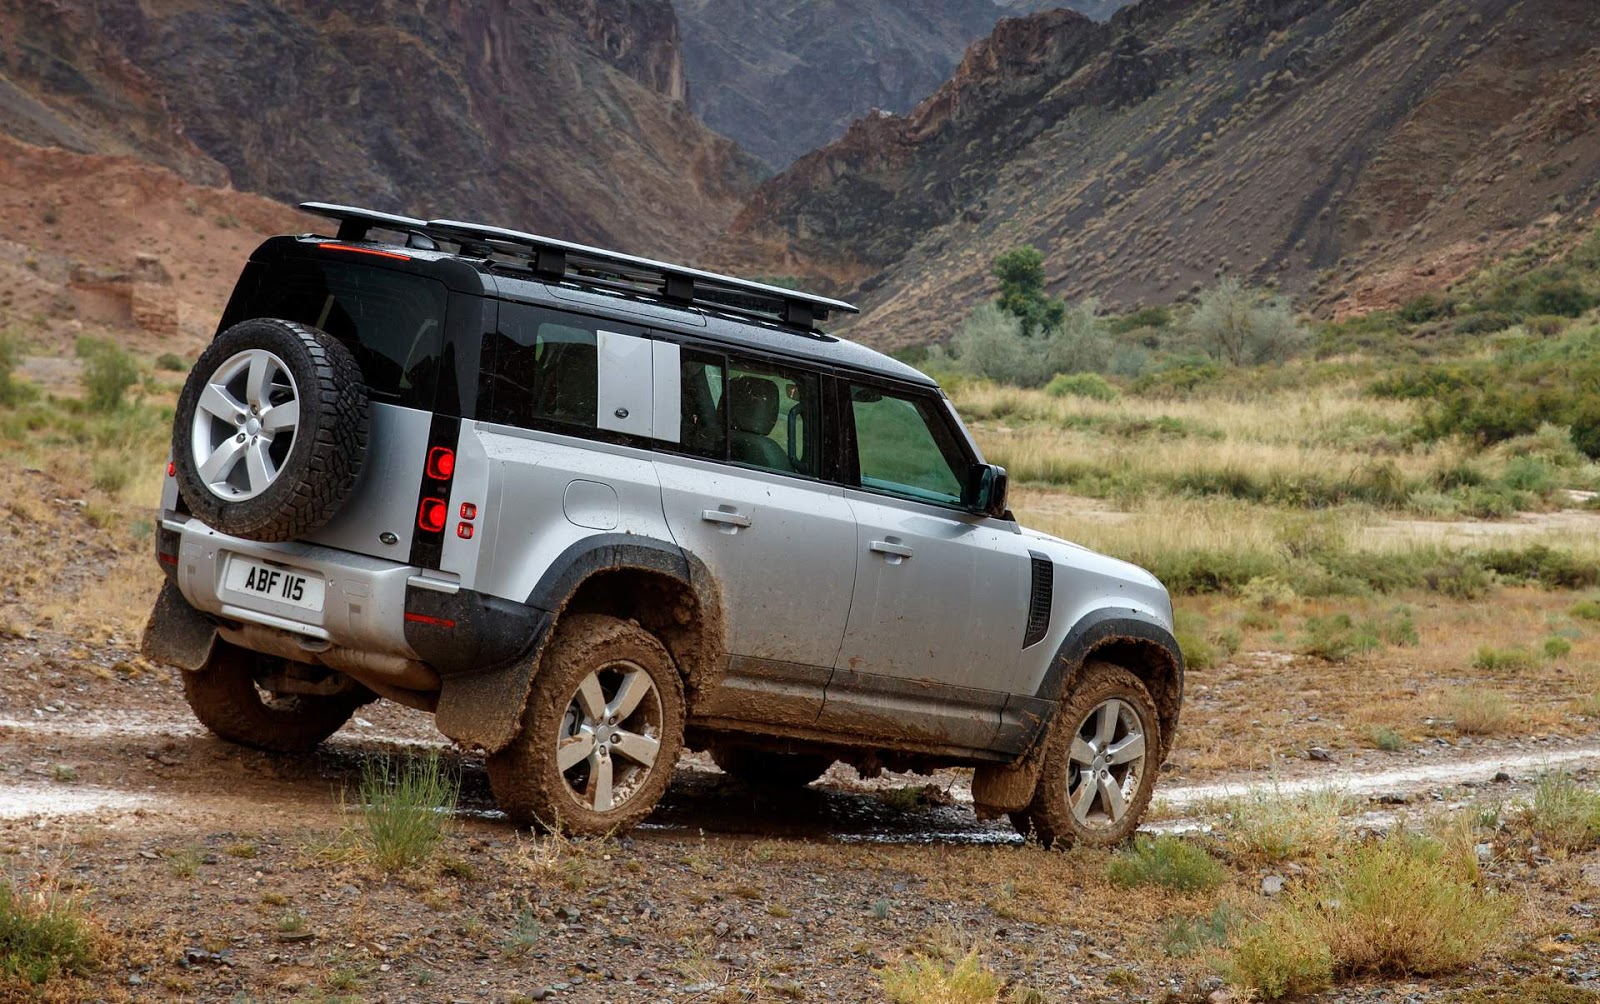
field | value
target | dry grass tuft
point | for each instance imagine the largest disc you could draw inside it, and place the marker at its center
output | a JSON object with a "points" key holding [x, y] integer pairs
{"points": [[924, 980], [1272, 826], [1477, 712], [1564, 814], [1406, 904]]}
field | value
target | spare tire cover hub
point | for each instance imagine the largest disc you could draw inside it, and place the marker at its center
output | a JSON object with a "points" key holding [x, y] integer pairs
{"points": [[244, 425]]}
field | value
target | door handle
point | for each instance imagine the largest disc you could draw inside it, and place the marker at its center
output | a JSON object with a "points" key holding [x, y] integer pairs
{"points": [[733, 519], [891, 548]]}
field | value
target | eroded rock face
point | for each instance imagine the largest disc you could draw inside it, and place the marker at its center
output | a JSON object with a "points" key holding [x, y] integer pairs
{"points": [[784, 77], [1336, 149], [564, 117]]}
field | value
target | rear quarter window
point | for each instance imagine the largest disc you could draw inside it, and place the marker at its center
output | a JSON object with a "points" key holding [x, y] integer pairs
{"points": [[393, 322]]}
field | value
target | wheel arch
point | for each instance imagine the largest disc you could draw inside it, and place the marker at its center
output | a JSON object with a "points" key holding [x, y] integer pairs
{"points": [[667, 590], [1137, 642]]}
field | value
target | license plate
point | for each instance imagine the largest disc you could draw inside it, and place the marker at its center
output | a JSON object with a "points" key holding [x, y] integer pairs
{"points": [[281, 585]]}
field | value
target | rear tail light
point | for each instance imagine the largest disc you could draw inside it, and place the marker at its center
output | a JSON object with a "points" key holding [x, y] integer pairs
{"points": [[172, 468], [441, 463], [432, 514], [464, 531]]}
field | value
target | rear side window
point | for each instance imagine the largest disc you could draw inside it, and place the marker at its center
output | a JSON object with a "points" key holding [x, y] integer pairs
{"points": [[541, 369], [750, 413], [391, 321]]}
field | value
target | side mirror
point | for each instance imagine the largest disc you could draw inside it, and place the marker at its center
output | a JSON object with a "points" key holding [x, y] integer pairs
{"points": [[988, 490]]}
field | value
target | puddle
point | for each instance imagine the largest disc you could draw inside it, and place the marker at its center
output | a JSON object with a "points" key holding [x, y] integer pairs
{"points": [[1431, 775], [34, 801]]}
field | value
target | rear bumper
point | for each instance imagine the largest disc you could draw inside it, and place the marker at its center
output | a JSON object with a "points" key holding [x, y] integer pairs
{"points": [[368, 604]]}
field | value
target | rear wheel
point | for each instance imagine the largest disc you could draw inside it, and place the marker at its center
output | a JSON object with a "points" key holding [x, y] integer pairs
{"points": [[765, 769], [600, 734], [1099, 766], [225, 697]]}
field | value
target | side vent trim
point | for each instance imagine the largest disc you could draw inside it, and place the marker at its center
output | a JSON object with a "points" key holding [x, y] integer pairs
{"points": [[1040, 599]]}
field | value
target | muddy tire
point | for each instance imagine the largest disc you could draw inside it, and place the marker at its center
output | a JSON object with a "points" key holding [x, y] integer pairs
{"points": [[600, 734], [225, 698], [271, 430], [1099, 763], [765, 769]]}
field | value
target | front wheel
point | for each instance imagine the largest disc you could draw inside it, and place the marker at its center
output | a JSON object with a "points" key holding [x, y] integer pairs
{"points": [[600, 734], [225, 697], [1099, 762]]}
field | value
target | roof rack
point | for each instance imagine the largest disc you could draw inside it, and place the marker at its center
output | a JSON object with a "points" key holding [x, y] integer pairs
{"points": [[563, 261]]}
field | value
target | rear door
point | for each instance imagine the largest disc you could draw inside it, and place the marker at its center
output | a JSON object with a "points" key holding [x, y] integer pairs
{"points": [[744, 496], [393, 322]]}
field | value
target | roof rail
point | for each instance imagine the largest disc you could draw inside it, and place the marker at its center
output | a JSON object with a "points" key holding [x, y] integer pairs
{"points": [[563, 260]]}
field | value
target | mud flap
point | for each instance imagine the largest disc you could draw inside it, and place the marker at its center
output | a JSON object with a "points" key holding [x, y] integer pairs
{"points": [[178, 634], [484, 710], [1001, 788]]}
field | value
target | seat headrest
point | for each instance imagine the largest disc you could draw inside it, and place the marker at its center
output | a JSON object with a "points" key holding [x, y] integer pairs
{"points": [[752, 404]]}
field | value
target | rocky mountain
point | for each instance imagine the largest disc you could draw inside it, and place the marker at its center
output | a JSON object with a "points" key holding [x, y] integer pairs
{"points": [[784, 77], [1344, 150], [563, 117]]}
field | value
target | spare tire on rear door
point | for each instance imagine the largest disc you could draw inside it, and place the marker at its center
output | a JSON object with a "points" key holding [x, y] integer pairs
{"points": [[271, 430]]}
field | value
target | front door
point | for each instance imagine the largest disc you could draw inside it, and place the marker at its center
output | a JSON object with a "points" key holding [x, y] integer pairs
{"points": [[941, 594], [744, 498]]}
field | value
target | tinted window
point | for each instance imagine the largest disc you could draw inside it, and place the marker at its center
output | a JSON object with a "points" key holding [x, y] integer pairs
{"points": [[750, 413], [391, 321], [541, 369], [904, 446]]}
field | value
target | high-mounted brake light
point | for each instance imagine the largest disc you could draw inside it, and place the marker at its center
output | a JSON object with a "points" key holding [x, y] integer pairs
{"points": [[432, 514], [372, 251], [441, 463]]}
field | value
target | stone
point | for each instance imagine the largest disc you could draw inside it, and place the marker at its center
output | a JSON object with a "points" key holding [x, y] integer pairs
{"points": [[1272, 885], [1319, 753]]}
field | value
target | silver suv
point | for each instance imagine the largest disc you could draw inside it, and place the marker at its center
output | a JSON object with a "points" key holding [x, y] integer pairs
{"points": [[590, 509]]}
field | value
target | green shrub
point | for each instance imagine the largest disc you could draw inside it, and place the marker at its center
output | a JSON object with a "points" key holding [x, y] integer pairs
{"points": [[1557, 647], [171, 362], [1485, 323], [108, 372], [1186, 936], [1285, 956], [1585, 610], [995, 345], [1337, 637], [1177, 380], [1382, 737], [1165, 861], [1542, 565], [1239, 326], [11, 391], [1561, 297], [42, 937], [1089, 385], [1405, 905], [1144, 317], [1564, 814], [406, 808], [1422, 309]]}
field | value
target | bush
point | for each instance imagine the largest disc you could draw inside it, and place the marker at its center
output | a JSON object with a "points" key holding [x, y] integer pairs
{"points": [[42, 937], [1479, 712], [1021, 275], [171, 362], [1272, 826], [1144, 317], [1168, 862], [11, 392], [1186, 936], [1238, 326], [995, 345], [1422, 309], [922, 980], [1564, 814], [1089, 385], [108, 372], [406, 809], [1405, 905], [1560, 297], [1485, 323]]}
